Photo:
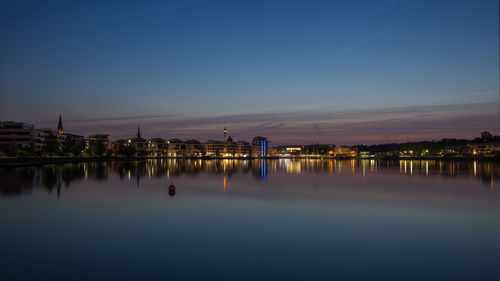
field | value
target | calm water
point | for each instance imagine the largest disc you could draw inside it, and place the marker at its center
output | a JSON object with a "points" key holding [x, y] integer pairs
{"points": [[251, 220]]}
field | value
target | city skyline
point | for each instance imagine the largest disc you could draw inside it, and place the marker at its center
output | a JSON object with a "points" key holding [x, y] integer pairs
{"points": [[327, 72]]}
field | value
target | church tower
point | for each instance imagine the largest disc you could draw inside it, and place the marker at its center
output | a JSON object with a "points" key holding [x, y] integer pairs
{"points": [[138, 132], [59, 126], [225, 132]]}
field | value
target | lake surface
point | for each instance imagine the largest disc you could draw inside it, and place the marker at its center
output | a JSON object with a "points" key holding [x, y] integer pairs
{"points": [[251, 220]]}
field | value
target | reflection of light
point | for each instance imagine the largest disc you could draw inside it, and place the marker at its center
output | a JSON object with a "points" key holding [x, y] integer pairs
{"points": [[405, 167], [263, 170], [224, 183], [426, 168], [293, 166], [475, 169], [411, 167]]}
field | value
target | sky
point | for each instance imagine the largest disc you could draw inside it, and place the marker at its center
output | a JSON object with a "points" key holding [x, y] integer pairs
{"points": [[340, 72]]}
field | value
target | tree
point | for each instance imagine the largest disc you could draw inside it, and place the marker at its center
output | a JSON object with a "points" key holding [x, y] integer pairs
{"points": [[77, 147], [51, 144], [67, 147], [100, 148], [11, 150], [128, 151]]}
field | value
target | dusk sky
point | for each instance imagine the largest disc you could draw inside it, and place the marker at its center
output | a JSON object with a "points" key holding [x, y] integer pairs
{"points": [[341, 72]]}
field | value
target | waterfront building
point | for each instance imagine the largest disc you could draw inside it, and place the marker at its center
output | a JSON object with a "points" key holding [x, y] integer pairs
{"points": [[98, 144], [259, 146], [292, 151], [193, 148], [118, 145], [175, 148], [482, 149], [229, 148], [15, 134], [243, 149], [72, 143], [486, 136], [318, 150], [214, 148], [156, 147], [139, 143], [345, 151], [41, 135]]}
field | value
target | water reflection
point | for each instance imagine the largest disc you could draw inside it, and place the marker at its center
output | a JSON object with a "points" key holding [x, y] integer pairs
{"points": [[286, 219], [15, 181]]}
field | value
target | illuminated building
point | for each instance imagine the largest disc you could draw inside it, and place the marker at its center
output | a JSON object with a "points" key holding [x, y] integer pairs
{"points": [[72, 140], [259, 146], [15, 133], [482, 149], [175, 148], [243, 149], [138, 143], [213, 148], [156, 147], [193, 148], [97, 143], [345, 151], [229, 148]]}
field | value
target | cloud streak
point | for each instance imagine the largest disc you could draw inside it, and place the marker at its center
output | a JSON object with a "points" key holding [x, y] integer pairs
{"points": [[323, 126]]}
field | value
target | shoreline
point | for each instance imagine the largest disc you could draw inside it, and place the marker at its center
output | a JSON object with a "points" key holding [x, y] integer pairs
{"points": [[19, 162]]}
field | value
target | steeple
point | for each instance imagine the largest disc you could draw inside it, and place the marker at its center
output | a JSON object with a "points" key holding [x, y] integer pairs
{"points": [[59, 126], [138, 132], [225, 132]]}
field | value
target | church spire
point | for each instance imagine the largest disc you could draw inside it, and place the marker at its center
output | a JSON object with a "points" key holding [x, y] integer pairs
{"points": [[139, 132], [225, 132], [59, 126]]}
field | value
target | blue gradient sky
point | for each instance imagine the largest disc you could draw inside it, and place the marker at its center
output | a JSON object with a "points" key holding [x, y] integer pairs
{"points": [[341, 72]]}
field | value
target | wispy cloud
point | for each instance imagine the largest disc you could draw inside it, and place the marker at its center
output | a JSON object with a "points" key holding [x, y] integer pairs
{"points": [[340, 127]]}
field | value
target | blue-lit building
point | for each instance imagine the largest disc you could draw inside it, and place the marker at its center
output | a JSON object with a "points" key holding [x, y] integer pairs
{"points": [[260, 146]]}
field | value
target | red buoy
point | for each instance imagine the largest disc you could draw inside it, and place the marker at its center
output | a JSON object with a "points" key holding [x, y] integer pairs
{"points": [[171, 190]]}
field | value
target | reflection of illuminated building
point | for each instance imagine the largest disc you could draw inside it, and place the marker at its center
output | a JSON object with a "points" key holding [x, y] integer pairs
{"points": [[260, 169], [292, 166], [52, 177]]}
